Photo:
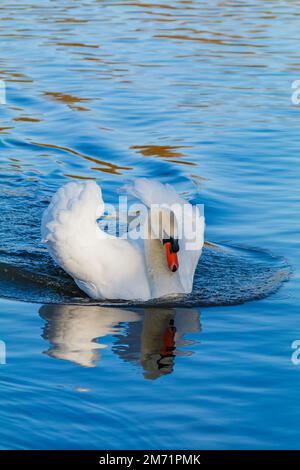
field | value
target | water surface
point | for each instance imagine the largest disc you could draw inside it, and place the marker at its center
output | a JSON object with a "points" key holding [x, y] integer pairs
{"points": [[197, 93]]}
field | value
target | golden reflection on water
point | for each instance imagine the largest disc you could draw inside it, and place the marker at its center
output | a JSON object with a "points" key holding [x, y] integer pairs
{"points": [[147, 5], [168, 152], [183, 162], [104, 166], [15, 77], [183, 37], [3, 129], [164, 151], [69, 100], [27, 119], [78, 177], [78, 44], [71, 20]]}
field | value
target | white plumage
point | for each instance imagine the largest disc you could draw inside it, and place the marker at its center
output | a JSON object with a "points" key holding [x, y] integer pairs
{"points": [[108, 267]]}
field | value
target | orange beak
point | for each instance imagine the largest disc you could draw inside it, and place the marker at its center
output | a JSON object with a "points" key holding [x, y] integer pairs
{"points": [[171, 258]]}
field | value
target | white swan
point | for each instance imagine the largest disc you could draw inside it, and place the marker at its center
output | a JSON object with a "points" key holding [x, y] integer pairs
{"points": [[107, 267]]}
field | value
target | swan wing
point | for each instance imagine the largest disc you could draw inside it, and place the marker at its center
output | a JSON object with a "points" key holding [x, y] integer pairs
{"points": [[151, 192], [102, 265], [70, 231]]}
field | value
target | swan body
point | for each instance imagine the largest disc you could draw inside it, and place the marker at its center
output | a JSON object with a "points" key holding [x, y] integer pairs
{"points": [[108, 267]]}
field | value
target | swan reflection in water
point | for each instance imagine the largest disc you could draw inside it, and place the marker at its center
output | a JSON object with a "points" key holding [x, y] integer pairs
{"points": [[149, 337]]}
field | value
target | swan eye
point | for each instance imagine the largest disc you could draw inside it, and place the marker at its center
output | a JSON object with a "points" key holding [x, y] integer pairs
{"points": [[174, 245]]}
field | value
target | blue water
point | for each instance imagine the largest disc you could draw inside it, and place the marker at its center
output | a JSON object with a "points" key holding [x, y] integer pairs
{"points": [[197, 94]]}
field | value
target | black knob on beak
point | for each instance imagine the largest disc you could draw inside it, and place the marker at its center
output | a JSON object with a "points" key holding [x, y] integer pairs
{"points": [[174, 245]]}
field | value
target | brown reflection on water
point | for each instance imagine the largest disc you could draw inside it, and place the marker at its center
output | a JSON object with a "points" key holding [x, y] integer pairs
{"points": [[171, 153], [164, 151], [7, 128], [147, 5], [78, 177], [27, 119], [78, 44], [183, 162], [14, 80], [221, 42], [15, 77], [71, 20], [183, 37], [70, 100], [106, 167]]}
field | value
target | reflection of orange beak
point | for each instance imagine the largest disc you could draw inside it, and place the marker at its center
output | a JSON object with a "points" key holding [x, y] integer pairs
{"points": [[171, 258]]}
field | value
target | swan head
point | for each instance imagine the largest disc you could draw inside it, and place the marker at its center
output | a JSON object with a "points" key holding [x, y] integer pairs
{"points": [[163, 226]]}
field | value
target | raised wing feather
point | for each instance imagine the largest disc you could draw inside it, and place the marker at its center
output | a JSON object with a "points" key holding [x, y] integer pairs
{"points": [[190, 222]]}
